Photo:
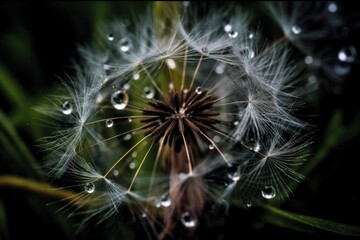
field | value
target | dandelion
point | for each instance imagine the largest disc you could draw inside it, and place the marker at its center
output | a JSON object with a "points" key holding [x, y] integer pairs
{"points": [[176, 114]]}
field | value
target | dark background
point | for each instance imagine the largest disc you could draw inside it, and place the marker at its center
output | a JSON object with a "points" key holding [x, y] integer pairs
{"points": [[37, 43]]}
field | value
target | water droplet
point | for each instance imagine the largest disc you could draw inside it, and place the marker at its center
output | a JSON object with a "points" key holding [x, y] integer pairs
{"points": [[129, 120], [296, 29], [134, 154], [120, 99], [233, 172], [247, 52], [188, 220], [110, 37], [143, 215], [89, 187], [132, 165], [198, 90], [347, 54], [248, 204], [163, 201], [233, 34], [124, 45], [308, 60], [220, 68], [204, 50], [227, 28], [185, 91], [211, 147], [250, 35], [116, 173], [109, 123], [268, 192], [149, 92], [332, 7], [66, 108], [236, 123], [127, 137], [171, 63], [126, 86], [136, 76]]}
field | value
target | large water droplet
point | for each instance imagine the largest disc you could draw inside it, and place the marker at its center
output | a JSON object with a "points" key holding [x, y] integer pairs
{"points": [[109, 123], [233, 172], [89, 187], [268, 192], [296, 29], [66, 108], [233, 34], [149, 92], [347, 54], [110, 37], [120, 99], [188, 220], [124, 45], [198, 90]]}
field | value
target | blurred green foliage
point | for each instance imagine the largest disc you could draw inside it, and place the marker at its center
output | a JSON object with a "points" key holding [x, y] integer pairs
{"points": [[37, 42]]}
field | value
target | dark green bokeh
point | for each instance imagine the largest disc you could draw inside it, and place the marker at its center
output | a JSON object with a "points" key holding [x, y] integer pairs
{"points": [[37, 43]]}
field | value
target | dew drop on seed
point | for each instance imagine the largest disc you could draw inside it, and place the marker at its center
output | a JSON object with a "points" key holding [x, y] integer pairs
{"points": [[233, 34], [248, 204], [124, 45], [126, 86], [132, 165], [347, 54], [296, 29], [89, 187], [256, 147], [188, 220], [171, 63], [116, 173], [236, 123], [136, 76], [198, 90], [204, 50], [149, 92], [211, 147], [268, 192], [66, 108], [110, 37], [233, 172], [120, 99], [250, 35], [308, 60], [109, 123], [227, 28], [332, 7]]}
